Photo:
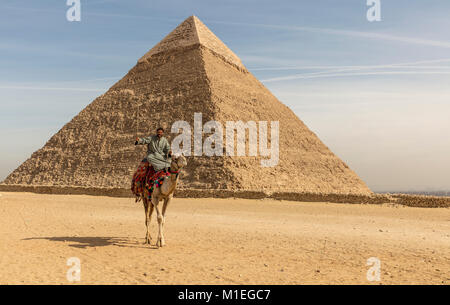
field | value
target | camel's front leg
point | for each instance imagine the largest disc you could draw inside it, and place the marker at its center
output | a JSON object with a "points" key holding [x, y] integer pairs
{"points": [[164, 208], [148, 215], [160, 240]]}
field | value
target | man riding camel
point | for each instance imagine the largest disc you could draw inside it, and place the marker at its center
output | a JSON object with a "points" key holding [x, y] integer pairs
{"points": [[158, 150]]}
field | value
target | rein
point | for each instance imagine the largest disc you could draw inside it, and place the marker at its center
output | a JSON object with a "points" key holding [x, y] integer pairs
{"points": [[174, 172]]}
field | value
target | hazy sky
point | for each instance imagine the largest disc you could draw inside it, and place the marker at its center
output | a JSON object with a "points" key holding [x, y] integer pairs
{"points": [[376, 93]]}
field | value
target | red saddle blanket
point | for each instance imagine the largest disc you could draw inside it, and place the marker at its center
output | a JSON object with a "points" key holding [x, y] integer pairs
{"points": [[139, 177], [146, 178]]}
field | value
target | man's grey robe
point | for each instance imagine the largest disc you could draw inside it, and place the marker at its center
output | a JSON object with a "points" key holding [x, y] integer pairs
{"points": [[157, 151]]}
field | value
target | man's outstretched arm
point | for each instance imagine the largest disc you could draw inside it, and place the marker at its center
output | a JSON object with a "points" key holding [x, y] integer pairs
{"points": [[141, 141]]}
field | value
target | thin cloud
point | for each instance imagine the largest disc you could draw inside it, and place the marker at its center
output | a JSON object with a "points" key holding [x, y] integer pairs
{"points": [[88, 80], [343, 67], [358, 34], [99, 2], [351, 33], [48, 86], [52, 88], [338, 72], [309, 76], [131, 16]]}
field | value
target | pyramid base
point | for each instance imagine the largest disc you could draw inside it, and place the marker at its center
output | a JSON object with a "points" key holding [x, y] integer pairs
{"points": [[403, 199]]}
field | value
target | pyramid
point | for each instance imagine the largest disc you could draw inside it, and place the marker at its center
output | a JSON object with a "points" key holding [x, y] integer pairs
{"points": [[189, 71]]}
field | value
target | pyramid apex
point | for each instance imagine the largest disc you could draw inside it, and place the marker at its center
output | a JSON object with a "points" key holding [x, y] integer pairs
{"points": [[190, 32]]}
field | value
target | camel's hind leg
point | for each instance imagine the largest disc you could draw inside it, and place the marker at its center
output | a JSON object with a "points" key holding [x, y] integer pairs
{"points": [[148, 215]]}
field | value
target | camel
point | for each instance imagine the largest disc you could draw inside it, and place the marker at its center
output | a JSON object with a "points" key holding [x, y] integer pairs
{"points": [[162, 193]]}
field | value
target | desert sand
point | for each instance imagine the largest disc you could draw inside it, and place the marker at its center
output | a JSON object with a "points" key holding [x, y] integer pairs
{"points": [[220, 241]]}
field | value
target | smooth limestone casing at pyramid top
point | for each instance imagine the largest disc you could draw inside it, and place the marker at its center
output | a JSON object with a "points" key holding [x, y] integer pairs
{"points": [[189, 71]]}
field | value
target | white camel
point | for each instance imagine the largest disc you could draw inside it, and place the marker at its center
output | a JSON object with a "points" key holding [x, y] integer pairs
{"points": [[162, 193]]}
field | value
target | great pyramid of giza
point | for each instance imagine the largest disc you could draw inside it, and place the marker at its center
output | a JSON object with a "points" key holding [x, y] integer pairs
{"points": [[189, 71]]}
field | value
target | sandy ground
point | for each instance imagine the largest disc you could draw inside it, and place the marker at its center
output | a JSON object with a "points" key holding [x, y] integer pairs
{"points": [[220, 241]]}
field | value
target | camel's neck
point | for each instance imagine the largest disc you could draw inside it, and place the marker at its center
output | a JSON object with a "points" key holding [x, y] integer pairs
{"points": [[171, 184], [174, 177]]}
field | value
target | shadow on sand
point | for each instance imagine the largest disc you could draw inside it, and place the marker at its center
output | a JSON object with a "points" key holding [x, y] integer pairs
{"points": [[84, 242]]}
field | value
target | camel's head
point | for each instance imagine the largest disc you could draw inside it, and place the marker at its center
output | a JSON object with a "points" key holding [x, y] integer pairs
{"points": [[178, 162]]}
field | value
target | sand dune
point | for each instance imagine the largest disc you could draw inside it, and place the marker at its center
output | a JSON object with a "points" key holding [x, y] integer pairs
{"points": [[220, 241]]}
